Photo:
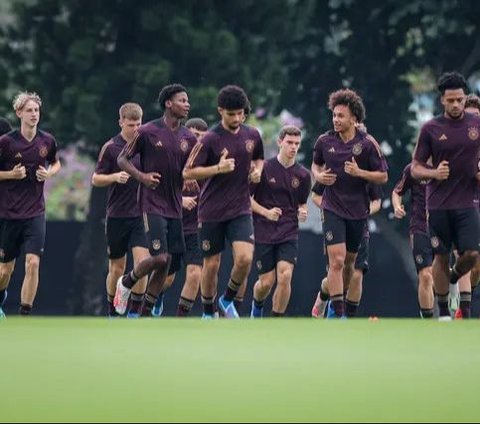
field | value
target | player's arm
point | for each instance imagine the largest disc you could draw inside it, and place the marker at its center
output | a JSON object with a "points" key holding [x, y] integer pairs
{"points": [[272, 214], [375, 206], [256, 169], [302, 212], [322, 175], [43, 173], [374, 177], [104, 180], [18, 172], [317, 200], [421, 172], [224, 166]]}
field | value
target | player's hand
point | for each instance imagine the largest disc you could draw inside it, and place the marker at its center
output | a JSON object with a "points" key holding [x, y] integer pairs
{"points": [[151, 179], [18, 172], [225, 165], [302, 214], [351, 168], [122, 177], [273, 214], [399, 212], [327, 177], [189, 203], [42, 173], [191, 185], [443, 170], [254, 175]]}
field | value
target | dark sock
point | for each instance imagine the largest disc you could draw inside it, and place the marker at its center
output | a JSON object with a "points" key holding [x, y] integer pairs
{"points": [[277, 314], [136, 302], [3, 296], [111, 312], [442, 300], [237, 301], [258, 303], [351, 308], [130, 279], [232, 289], [324, 296], [184, 306], [426, 313], [148, 304], [465, 304], [25, 309], [454, 275], [338, 305], [207, 303]]}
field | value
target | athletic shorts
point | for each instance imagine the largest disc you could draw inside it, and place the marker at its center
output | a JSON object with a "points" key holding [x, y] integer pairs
{"points": [[340, 230], [422, 250], [268, 255], [122, 234]]}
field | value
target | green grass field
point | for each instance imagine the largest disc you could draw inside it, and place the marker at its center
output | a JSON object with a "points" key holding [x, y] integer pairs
{"points": [[93, 369]]}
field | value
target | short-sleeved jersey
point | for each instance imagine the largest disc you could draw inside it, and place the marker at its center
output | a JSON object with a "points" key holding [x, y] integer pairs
{"points": [[226, 196], [418, 191], [458, 142], [164, 151], [23, 199], [122, 199], [348, 196], [284, 188]]}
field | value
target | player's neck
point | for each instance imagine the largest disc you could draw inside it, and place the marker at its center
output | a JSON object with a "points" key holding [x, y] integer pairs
{"points": [[171, 121], [28, 132], [285, 162], [230, 130], [451, 118], [347, 135], [126, 137]]}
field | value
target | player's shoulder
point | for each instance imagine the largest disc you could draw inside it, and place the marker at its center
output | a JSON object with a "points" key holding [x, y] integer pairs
{"points": [[107, 147], [303, 172], [46, 135], [472, 119], [250, 130], [212, 134], [11, 135], [325, 137]]}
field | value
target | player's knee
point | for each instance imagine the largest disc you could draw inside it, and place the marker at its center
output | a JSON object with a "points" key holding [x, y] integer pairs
{"points": [[116, 269], [243, 260], [161, 261], [285, 276], [5, 273], [32, 263], [337, 262], [212, 264], [425, 278], [267, 280]]}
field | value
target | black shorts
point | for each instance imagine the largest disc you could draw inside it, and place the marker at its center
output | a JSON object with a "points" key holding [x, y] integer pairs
{"points": [[193, 254], [122, 234], [212, 235], [422, 251], [28, 234], [340, 230], [268, 255], [164, 235], [361, 262], [454, 227]]}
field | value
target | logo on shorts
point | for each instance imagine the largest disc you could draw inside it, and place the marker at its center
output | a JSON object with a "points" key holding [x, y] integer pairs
{"points": [[156, 244], [43, 152], [184, 145], [329, 236], [357, 149], [2, 253], [295, 182], [473, 133], [435, 242], [206, 245], [259, 265], [249, 145], [419, 259]]}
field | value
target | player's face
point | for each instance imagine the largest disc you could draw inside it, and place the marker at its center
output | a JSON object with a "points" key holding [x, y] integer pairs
{"points": [[232, 119], [129, 127], [179, 105], [343, 119], [197, 133], [453, 102], [30, 114], [472, 110], [289, 146]]}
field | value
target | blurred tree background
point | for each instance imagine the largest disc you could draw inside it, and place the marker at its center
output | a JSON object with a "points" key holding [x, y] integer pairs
{"points": [[85, 58]]}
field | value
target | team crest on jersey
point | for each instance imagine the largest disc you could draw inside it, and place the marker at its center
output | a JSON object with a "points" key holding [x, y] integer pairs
{"points": [[295, 182], [206, 245], [329, 236], [184, 145], [357, 149], [419, 259], [43, 152], [156, 244], [249, 145], [435, 242], [259, 265], [473, 133]]}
